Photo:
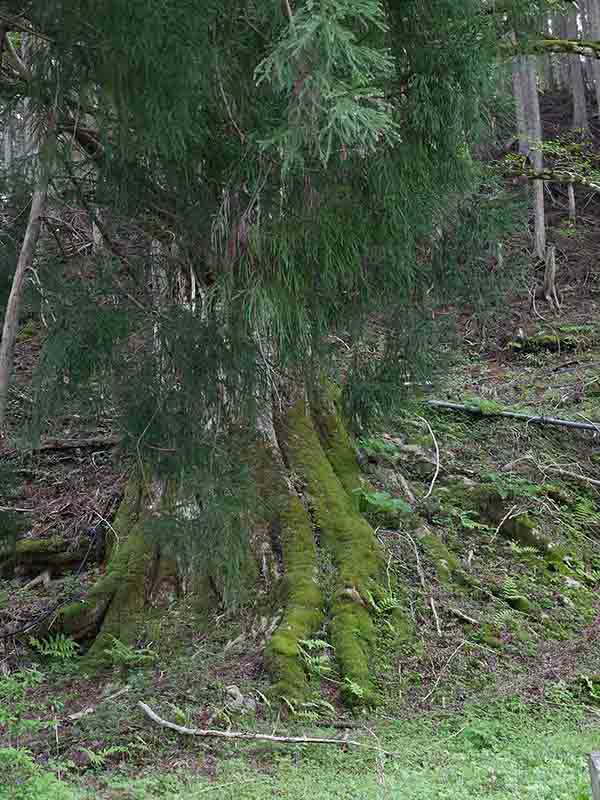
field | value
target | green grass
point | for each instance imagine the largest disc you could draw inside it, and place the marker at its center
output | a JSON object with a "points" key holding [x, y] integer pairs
{"points": [[502, 753]]}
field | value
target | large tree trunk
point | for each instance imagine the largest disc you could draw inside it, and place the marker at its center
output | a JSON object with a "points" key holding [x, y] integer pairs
{"points": [[306, 461]]}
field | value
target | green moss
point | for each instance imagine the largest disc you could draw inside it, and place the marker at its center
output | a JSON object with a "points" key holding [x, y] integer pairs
{"points": [[126, 583], [53, 544], [488, 635], [337, 444], [569, 337], [303, 614], [55, 553], [447, 566], [354, 549], [119, 596], [522, 604], [522, 528]]}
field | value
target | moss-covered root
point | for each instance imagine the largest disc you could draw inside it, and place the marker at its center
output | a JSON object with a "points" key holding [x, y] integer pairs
{"points": [[336, 443], [130, 576], [304, 613], [352, 544], [119, 589]]}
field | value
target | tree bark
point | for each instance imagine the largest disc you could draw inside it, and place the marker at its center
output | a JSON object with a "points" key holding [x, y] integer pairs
{"points": [[11, 316], [592, 31], [576, 81], [518, 89], [533, 123]]}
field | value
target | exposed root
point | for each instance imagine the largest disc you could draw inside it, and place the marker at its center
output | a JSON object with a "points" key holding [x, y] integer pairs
{"points": [[304, 613], [352, 544]]}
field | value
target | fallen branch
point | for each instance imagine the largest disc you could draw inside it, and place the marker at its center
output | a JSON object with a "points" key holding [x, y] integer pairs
{"points": [[539, 420], [461, 615], [260, 737], [98, 443], [550, 468], [437, 458], [565, 473]]}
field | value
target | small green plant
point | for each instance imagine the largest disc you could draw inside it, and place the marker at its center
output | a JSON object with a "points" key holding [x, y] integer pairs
{"points": [[98, 758], [510, 590], [353, 688], [126, 656], [591, 685], [59, 646], [381, 502], [468, 520], [523, 551], [311, 709], [315, 656], [501, 618], [374, 446], [27, 780]]}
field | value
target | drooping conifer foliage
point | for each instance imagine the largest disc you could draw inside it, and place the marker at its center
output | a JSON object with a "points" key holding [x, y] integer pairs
{"points": [[269, 179]]}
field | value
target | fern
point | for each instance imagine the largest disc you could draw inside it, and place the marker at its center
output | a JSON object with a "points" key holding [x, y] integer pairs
{"points": [[57, 646], [510, 590], [501, 618], [382, 502], [386, 604], [127, 656], [316, 663], [523, 550], [98, 758]]}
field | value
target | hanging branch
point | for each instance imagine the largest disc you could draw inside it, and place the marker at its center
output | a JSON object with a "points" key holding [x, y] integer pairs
{"points": [[539, 420]]}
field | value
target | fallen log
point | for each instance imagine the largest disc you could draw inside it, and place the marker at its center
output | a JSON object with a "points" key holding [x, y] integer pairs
{"points": [[536, 420]]}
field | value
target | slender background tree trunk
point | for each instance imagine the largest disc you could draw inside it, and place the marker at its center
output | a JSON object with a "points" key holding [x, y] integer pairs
{"points": [[11, 317], [580, 117]]}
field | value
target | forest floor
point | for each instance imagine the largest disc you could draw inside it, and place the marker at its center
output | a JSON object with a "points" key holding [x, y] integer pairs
{"points": [[491, 527], [492, 690]]}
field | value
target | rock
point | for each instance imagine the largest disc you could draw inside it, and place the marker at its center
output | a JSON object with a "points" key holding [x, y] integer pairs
{"points": [[571, 583], [237, 702], [566, 601]]}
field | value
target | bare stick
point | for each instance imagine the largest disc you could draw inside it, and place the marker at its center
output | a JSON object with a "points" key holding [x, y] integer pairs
{"points": [[461, 615], [288, 10], [437, 458], [573, 475], [435, 616], [502, 521], [262, 737], [419, 567], [91, 709]]}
